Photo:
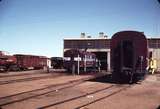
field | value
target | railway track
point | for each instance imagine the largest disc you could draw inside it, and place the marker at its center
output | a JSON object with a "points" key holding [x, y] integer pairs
{"points": [[22, 74], [102, 91], [39, 92], [29, 79], [99, 99]]}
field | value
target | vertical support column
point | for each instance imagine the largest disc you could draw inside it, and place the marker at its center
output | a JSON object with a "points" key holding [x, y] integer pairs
{"points": [[85, 69], [108, 61], [78, 64]]}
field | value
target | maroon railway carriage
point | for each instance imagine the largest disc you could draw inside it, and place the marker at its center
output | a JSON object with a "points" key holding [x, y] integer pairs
{"points": [[87, 60], [30, 61], [128, 56]]}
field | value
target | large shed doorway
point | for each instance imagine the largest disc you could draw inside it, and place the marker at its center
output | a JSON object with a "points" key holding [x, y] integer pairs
{"points": [[102, 57]]}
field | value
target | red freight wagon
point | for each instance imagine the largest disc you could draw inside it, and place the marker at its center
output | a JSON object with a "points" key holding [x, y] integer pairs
{"points": [[129, 55], [7, 62], [30, 61], [43, 61]]}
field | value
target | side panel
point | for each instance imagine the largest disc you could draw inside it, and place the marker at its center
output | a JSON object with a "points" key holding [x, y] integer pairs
{"points": [[31, 61]]}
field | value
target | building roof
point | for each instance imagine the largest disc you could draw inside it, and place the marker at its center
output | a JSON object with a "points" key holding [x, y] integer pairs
{"points": [[100, 38], [85, 38]]}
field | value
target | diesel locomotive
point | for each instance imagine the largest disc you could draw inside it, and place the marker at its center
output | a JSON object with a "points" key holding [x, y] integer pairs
{"points": [[75, 59]]}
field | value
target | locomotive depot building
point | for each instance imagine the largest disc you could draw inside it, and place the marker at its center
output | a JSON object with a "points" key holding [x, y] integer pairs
{"points": [[101, 47]]}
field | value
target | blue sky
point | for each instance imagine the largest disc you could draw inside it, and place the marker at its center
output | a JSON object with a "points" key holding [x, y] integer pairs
{"points": [[39, 26]]}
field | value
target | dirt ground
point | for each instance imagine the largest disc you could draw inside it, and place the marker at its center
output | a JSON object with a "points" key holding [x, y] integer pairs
{"points": [[86, 95], [145, 95]]}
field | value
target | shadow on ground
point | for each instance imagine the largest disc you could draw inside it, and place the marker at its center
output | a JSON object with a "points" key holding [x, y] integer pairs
{"points": [[158, 107], [108, 79], [104, 79]]}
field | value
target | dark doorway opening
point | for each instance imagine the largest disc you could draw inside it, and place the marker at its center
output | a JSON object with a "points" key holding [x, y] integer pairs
{"points": [[102, 57]]}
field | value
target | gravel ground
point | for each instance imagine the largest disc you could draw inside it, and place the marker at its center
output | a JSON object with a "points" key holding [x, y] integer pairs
{"points": [[87, 95], [141, 96], [21, 72]]}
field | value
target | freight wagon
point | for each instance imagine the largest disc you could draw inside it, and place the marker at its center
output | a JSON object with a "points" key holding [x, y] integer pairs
{"points": [[129, 54], [7, 62], [31, 61], [76, 61]]}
